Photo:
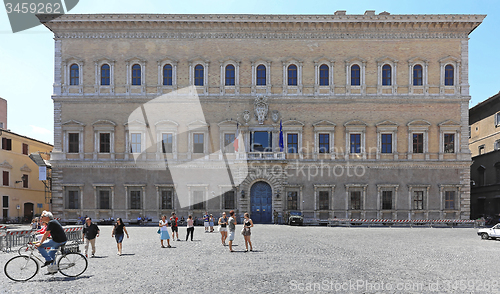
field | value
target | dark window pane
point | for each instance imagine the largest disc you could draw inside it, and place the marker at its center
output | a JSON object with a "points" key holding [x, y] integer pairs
{"points": [[261, 142], [73, 142], [74, 74], [386, 75], [324, 143], [355, 75], [449, 143], [25, 149], [449, 75], [417, 75], [418, 143], [418, 200], [324, 75], [5, 178], [167, 75], [25, 181], [135, 199], [6, 144], [198, 75], [198, 143], [104, 199], [355, 143], [261, 75], [230, 75], [324, 200], [136, 75], [386, 200], [355, 200], [5, 201], [292, 75], [292, 200], [105, 75], [198, 201], [73, 202], [292, 143], [167, 199], [229, 200], [449, 200], [386, 143], [104, 142]]}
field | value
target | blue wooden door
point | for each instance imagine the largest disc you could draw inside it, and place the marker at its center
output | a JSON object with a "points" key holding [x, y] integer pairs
{"points": [[261, 203]]}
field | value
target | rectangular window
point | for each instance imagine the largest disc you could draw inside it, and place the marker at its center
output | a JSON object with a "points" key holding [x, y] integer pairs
{"points": [[292, 143], [449, 143], [261, 141], [355, 143], [355, 200], [228, 143], [25, 181], [104, 199], [324, 200], [73, 143], [135, 199], [481, 149], [324, 143], [418, 143], [167, 201], [198, 142], [5, 206], [418, 200], [229, 200], [198, 201], [386, 200], [5, 178], [104, 142], [292, 200], [449, 200], [386, 143], [167, 143], [135, 143], [73, 202], [6, 144], [25, 149]]}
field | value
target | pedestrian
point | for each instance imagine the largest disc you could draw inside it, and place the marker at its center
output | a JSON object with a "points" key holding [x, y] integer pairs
{"points": [[206, 221], [275, 216], [190, 227], [164, 231], [211, 221], [117, 232], [232, 228], [223, 228], [174, 226], [90, 232], [247, 224]]}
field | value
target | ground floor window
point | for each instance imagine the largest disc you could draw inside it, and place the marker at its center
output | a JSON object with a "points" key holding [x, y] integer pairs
{"points": [[386, 200], [135, 199], [355, 200], [418, 200], [292, 200], [104, 199], [166, 201], [229, 200], [73, 202], [449, 200], [198, 201], [324, 200]]}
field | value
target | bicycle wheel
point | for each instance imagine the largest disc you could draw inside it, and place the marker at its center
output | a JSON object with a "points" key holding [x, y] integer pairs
{"points": [[72, 264], [21, 268]]}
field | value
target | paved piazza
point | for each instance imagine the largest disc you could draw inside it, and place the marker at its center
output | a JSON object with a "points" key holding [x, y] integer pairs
{"points": [[286, 260]]}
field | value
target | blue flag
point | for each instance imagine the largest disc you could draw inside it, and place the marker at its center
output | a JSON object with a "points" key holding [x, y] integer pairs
{"points": [[281, 136]]}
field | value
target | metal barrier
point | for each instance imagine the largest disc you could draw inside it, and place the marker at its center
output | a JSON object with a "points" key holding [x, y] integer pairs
{"points": [[406, 222], [12, 239]]}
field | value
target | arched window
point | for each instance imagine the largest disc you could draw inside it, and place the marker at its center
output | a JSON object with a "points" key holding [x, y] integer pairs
{"points": [[167, 75], [261, 75], [74, 75], [386, 75], [230, 74], [355, 75], [449, 75], [292, 75], [136, 75], [105, 75], [324, 75], [417, 75], [198, 75]]}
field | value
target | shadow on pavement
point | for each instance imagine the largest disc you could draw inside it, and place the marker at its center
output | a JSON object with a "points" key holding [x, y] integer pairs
{"points": [[59, 279]]}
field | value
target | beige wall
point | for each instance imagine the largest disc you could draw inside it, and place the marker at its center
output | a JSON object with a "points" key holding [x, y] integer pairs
{"points": [[484, 133]]}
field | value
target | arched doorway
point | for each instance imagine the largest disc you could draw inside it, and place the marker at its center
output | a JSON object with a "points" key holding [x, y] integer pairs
{"points": [[29, 210], [261, 197]]}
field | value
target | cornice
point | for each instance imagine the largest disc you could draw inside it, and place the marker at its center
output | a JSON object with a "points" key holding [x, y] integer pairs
{"points": [[203, 26]]}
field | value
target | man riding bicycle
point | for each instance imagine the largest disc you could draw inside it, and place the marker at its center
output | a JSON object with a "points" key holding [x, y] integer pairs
{"points": [[55, 230]]}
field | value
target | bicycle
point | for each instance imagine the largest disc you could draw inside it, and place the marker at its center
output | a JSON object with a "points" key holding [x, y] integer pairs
{"points": [[70, 263]]}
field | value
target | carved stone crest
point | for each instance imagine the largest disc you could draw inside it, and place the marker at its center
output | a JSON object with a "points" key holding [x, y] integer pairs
{"points": [[275, 116], [246, 116], [261, 107]]}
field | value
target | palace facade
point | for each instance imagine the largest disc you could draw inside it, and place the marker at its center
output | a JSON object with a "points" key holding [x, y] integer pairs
{"points": [[358, 116]]}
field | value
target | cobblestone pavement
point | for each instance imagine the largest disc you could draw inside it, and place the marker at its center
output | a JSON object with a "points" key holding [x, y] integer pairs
{"points": [[285, 260]]}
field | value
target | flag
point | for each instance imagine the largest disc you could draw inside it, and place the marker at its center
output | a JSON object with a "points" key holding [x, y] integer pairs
{"points": [[235, 142], [281, 136]]}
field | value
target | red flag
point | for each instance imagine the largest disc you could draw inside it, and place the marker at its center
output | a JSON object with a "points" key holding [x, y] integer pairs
{"points": [[235, 142]]}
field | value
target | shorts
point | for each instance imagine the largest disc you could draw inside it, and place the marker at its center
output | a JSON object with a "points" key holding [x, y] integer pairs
{"points": [[119, 238], [231, 235], [207, 224], [211, 224], [221, 229], [164, 235], [175, 229]]}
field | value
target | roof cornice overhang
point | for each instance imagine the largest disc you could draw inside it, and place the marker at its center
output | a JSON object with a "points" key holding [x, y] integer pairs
{"points": [[260, 26]]}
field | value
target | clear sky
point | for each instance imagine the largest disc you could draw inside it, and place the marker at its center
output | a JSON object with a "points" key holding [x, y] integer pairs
{"points": [[27, 58]]}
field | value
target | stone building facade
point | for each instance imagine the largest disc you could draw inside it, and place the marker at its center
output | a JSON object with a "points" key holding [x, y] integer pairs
{"points": [[373, 110]]}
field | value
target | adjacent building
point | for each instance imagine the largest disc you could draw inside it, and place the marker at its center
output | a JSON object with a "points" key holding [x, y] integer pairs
{"points": [[484, 142], [358, 116]]}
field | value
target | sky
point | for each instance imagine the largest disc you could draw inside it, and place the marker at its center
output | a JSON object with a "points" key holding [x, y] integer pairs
{"points": [[27, 57]]}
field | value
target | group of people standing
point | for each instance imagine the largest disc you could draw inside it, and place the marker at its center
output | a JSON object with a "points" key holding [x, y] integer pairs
{"points": [[227, 227]]}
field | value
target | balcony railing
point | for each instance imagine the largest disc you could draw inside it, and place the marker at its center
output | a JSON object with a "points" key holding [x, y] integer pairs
{"points": [[262, 155]]}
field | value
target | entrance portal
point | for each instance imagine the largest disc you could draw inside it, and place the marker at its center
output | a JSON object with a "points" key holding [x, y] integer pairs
{"points": [[261, 198]]}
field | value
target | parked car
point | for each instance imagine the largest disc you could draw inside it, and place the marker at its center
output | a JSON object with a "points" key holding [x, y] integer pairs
{"points": [[295, 218], [490, 233]]}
